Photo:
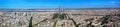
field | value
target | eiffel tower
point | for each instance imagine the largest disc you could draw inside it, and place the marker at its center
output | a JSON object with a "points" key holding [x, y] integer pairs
{"points": [[60, 10]]}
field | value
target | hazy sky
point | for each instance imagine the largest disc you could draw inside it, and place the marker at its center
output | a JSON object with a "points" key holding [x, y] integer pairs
{"points": [[57, 3]]}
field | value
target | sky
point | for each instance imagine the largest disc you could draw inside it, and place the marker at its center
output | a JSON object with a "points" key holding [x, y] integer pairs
{"points": [[61, 3]]}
